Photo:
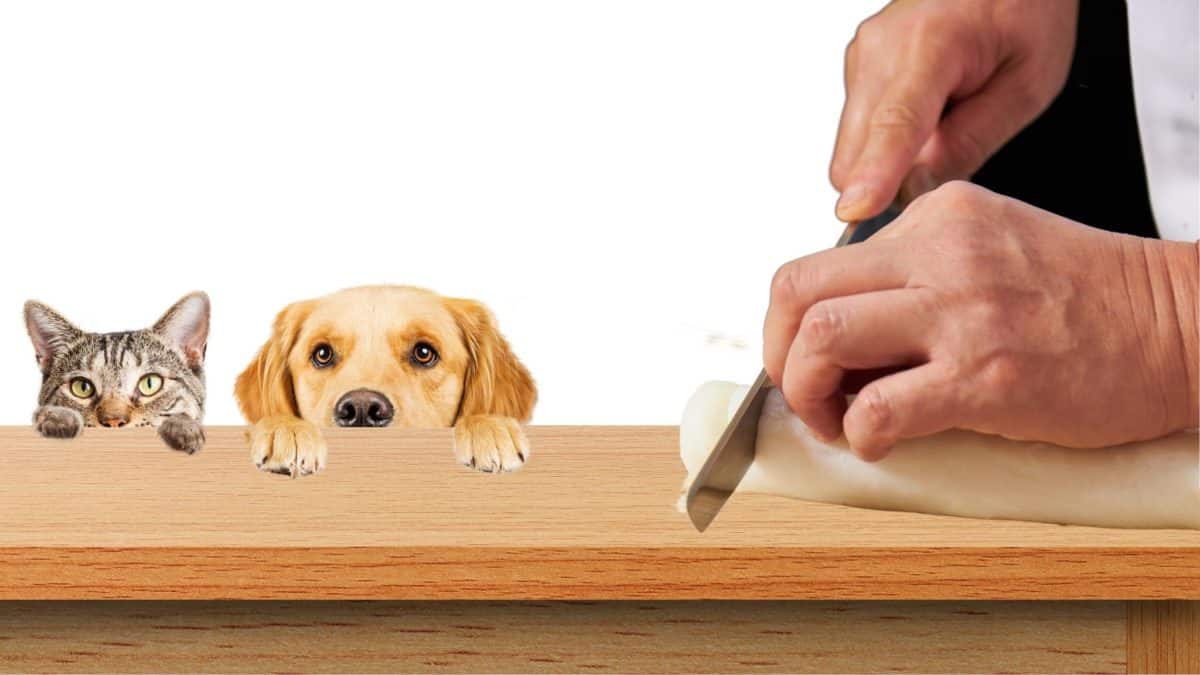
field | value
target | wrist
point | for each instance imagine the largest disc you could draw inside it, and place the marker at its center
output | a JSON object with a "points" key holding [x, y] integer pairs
{"points": [[1173, 272]]}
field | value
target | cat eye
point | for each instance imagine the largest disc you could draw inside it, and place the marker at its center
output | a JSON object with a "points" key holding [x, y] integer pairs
{"points": [[322, 356], [150, 384], [81, 387], [423, 354]]}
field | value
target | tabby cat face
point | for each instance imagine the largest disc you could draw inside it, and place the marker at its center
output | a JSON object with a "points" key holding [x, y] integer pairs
{"points": [[134, 378]]}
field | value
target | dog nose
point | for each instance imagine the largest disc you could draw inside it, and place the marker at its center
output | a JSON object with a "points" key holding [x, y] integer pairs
{"points": [[363, 408]]}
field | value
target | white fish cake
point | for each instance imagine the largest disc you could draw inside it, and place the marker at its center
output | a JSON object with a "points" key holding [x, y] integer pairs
{"points": [[1151, 484]]}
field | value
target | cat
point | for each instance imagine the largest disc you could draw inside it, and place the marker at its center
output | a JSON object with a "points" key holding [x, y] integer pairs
{"points": [[152, 377]]}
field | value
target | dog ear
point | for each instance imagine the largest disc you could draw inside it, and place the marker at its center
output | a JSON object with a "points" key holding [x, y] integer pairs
{"points": [[497, 383], [265, 387]]}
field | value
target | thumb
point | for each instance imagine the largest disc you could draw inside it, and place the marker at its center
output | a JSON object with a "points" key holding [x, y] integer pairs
{"points": [[898, 127], [973, 130], [915, 402]]}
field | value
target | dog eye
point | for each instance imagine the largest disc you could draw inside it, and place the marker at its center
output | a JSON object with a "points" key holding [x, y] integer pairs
{"points": [[81, 387], [322, 356], [424, 355]]}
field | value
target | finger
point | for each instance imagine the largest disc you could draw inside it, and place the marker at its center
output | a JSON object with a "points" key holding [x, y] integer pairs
{"points": [[915, 402], [869, 330], [899, 125], [812, 388], [854, 380], [972, 131], [847, 270], [861, 93]]}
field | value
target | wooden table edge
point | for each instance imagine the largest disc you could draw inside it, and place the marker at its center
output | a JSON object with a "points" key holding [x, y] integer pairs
{"points": [[601, 573]]}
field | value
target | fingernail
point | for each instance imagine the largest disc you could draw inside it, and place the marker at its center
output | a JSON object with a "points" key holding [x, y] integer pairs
{"points": [[851, 201]]}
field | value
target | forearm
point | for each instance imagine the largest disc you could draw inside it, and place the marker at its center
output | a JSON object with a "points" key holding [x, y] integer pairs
{"points": [[1174, 276]]}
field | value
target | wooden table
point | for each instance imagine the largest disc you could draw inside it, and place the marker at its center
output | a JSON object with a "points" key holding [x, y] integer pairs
{"points": [[577, 562]]}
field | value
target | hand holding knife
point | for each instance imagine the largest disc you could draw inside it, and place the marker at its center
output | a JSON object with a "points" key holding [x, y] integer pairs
{"points": [[734, 452]]}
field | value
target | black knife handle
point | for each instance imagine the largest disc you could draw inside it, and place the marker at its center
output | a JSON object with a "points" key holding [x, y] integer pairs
{"points": [[870, 226]]}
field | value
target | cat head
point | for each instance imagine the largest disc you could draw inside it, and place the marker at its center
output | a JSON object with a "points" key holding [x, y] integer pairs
{"points": [[132, 378]]}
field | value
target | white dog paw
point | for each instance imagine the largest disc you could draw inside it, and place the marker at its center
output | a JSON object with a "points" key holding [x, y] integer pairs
{"points": [[287, 445], [490, 443]]}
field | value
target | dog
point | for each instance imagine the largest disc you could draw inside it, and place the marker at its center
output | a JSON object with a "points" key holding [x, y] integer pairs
{"points": [[381, 356]]}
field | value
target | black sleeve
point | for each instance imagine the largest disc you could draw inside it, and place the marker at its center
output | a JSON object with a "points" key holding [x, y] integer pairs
{"points": [[1082, 158]]}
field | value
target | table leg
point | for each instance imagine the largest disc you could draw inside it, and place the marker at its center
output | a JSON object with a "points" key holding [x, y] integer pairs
{"points": [[1163, 636]]}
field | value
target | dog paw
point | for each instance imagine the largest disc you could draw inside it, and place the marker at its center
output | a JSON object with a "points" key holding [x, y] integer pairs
{"points": [[490, 443], [287, 445], [54, 421], [182, 433]]}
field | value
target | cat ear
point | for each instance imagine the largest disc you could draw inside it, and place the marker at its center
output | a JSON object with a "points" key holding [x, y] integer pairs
{"points": [[49, 331], [186, 326]]}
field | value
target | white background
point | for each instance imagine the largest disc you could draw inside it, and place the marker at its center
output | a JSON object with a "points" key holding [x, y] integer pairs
{"points": [[617, 180]]}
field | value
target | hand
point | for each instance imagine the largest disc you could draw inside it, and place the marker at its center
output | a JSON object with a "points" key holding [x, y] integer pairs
{"points": [[935, 87], [995, 316]]}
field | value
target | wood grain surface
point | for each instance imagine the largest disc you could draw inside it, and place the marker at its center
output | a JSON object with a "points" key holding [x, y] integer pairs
{"points": [[535, 637], [114, 514], [1163, 637]]}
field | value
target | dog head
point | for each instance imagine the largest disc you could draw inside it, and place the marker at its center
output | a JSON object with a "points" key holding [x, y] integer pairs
{"points": [[385, 355]]}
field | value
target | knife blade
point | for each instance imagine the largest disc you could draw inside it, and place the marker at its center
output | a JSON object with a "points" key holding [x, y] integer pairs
{"points": [[733, 454]]}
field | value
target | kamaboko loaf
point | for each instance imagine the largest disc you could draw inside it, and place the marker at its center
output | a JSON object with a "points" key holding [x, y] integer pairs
{"points": [[1151, 484]]}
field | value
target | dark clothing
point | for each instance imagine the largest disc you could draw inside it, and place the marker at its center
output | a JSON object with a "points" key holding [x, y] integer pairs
{"points": [[1082, 159]]}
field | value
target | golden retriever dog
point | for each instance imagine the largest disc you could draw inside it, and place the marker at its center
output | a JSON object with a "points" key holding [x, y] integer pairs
{"points": [[382, 356]]}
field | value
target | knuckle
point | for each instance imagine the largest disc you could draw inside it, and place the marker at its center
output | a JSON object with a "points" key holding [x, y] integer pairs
{"points": [[821, 327], [876, 409], [956, 193], [929, 28], [1000, 374], [868, 34], [895, 117], [787, 281], [781, 283], [921, 202]]}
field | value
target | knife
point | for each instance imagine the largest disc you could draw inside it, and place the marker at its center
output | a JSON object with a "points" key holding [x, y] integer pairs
{"points": [[733, 454]]}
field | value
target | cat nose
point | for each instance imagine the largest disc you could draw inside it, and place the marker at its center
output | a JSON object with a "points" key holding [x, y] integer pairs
{"points": [[114, 421], [363, 408]]}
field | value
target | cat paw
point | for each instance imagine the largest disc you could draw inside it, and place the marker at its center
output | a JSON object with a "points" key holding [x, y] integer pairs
{"points": [[490, 443], [54, 421], [287, 445], [182, 433]]}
